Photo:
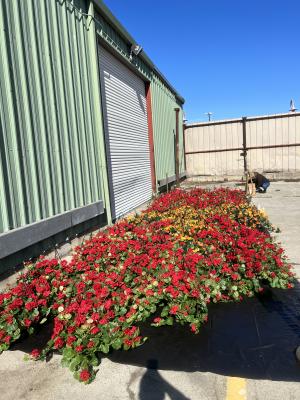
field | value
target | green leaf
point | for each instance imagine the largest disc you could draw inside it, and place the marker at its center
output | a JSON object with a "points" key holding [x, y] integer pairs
{"points": [[74, 364], [84, 363], [153, 309], [68, 353], [76, 375], [31, 330], [274, 282], [164, 312], [95, 361], [104, 348], [117, 344], [35, 312]]}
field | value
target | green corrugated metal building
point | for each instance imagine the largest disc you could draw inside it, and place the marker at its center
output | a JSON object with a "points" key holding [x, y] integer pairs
{"points": [[66, 156]]}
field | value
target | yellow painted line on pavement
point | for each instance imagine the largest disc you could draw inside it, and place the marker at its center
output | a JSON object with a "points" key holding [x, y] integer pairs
{"points": [[236, 389]]}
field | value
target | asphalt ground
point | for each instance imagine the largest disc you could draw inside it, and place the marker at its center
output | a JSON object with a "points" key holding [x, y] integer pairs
{"points": [[245, 351]]}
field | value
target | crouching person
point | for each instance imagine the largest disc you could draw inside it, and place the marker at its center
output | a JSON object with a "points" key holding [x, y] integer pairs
{"points": [[261, 182]]}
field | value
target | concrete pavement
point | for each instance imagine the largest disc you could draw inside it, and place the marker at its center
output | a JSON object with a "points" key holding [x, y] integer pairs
{"points": [[282, 204]]}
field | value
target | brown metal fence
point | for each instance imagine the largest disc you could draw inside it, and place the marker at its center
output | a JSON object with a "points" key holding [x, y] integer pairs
{"points": [[269, 144]]}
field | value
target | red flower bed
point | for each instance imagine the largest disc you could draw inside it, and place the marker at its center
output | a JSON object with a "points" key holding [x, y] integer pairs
{"points": [[186, 250]]}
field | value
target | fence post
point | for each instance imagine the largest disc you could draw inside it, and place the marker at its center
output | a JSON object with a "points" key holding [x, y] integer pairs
{"points": [[244, 122]]}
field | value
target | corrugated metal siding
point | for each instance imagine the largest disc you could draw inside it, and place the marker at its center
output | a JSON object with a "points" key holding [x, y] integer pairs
{"points": [[49, 158], [126, 131], [164, 124], [52, 150]]}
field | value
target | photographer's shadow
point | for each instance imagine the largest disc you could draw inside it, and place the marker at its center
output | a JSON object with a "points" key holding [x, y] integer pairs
{"points": [[154, 387]]}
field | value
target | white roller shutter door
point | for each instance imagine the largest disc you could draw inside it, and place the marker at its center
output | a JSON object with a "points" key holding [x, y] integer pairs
{"points": [[126, 134]]}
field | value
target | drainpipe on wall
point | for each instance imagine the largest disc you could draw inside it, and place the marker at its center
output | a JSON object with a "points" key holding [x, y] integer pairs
{"points": [[177, 146], [151, 139]]}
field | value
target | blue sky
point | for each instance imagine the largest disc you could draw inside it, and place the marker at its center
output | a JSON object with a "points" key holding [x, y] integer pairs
{"points": [[232, 57]]}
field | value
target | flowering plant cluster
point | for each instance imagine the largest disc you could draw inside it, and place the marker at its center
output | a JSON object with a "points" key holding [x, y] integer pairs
{"points": [[189, 248]]}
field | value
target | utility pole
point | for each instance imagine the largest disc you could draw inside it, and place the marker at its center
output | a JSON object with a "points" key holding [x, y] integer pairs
{"points": [[292, 106], [209, 114]]}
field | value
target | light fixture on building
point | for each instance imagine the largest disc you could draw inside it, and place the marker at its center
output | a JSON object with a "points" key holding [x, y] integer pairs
{"points": [[135, 49], [292, 106]]}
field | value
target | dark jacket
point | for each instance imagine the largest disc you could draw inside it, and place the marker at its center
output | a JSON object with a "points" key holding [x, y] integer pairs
{"points": [[258, 179]]}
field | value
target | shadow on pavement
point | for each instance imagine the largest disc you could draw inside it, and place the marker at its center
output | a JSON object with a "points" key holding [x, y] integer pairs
{"points": [[154, 387], [254, 339], [37, 340]]}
